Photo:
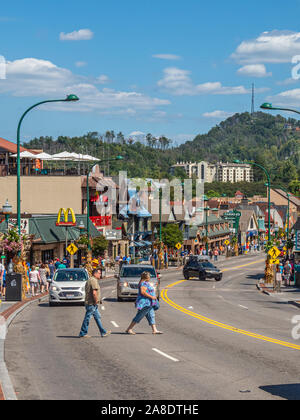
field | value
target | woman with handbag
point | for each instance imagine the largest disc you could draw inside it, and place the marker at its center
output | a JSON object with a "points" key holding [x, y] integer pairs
{"points": [[146, 303]]}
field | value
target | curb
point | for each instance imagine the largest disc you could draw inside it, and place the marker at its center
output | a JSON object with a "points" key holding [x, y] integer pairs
{"points": [[262, 289], [7, 391]]}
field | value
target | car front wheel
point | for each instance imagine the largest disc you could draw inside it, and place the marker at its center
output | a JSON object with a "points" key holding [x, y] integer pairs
{"points": [[218, 278]]}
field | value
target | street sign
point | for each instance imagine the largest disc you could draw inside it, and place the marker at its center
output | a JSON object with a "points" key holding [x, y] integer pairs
{"points": [[274, 252], [178, 246], [274, 261], [72, 249], [226, 242], [232, 215]]}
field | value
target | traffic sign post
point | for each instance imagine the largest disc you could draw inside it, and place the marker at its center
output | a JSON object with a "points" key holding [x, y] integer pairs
{"points": [[72, 249], [234, 216]]}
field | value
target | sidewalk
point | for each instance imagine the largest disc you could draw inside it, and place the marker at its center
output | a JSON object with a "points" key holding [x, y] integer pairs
{"points": [[288, 294]]}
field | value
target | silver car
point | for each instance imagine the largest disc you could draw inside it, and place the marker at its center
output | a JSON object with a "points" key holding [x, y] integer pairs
{"points": [[129, 278], [68, 285]]}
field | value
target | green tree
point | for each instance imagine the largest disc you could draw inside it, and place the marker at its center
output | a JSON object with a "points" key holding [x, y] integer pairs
{"points": [[294, 187], [100, 244], [171, 235]]}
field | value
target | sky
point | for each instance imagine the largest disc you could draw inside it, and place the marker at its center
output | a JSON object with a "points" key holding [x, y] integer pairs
{"points": [[174, 68]]}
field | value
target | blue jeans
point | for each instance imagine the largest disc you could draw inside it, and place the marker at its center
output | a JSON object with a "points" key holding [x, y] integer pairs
{"points": [[91, 310], [148, 312]]}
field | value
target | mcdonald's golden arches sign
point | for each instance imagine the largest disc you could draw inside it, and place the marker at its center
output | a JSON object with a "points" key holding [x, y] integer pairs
{"points": [[65, 213]]}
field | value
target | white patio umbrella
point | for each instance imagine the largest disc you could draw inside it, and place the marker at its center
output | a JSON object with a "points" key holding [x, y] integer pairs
{"points": [[43, 156], [25, 154], [63, 156], [90, 158]]}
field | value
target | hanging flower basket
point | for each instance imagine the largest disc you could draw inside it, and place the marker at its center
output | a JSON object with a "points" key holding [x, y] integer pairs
{"points": [[12, 243]]}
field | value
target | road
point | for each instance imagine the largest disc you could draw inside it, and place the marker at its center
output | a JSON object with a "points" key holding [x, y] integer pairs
{"points": [[222, 340]]}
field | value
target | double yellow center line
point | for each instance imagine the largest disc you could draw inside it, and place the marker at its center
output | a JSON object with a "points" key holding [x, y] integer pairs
{"points": [[164, 295]]}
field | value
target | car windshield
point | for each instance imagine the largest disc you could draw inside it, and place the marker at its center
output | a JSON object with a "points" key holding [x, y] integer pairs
{"points": [[70, 275], [207, 264], [136, 271]]}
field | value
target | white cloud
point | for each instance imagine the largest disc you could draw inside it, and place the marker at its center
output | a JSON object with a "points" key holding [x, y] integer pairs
{"points": [[137, 133], [167, 56], [81, 35], [178, 82], [35, 77], [218, 114], [80, 64], [102, 80], [287, 99], [269, 47], [254, 70]]}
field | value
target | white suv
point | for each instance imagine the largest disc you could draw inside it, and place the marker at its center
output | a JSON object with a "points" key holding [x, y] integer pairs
{"points": [[68, 285]]}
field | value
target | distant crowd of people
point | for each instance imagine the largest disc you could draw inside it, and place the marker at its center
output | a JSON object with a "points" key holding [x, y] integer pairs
{"points": [[39, 276]]}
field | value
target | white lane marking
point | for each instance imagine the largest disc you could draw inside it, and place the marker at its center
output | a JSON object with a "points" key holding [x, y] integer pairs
{"points": [[190, 307], [115, 324], [241, 306], [165, 355]]}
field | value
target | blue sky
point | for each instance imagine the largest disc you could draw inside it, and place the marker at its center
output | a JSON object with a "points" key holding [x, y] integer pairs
{"points": [[175, 67]]}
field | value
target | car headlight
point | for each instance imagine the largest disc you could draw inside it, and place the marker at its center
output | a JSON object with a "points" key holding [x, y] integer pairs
{"points": [[125, 284], [55, 288], [83, 289]]}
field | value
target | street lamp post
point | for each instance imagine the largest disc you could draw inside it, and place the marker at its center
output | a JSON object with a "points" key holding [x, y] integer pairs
{"points": [[7, 211], [160, 200], [69, 98], [288, 209], [88, 195], [206, 209], [269, 186]]}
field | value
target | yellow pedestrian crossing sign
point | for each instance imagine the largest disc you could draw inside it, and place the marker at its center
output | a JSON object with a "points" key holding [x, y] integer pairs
{"points": [[72, 249], [274, 252], [178, 246], [226, 242]]}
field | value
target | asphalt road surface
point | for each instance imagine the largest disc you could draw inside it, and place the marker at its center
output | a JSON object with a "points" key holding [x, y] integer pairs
{"points": [[222, 340]]}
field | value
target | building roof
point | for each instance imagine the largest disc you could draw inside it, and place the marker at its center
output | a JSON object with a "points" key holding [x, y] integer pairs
{"points": [[245, 220], [8, 146], [100, 181], [45, 231], [293, 199]]}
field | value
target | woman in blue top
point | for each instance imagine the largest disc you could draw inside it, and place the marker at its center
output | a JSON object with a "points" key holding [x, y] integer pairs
{"points": [[144, 303]]}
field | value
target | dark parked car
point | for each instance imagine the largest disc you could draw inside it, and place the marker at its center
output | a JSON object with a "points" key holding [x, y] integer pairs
{"points": [[201, 269]]}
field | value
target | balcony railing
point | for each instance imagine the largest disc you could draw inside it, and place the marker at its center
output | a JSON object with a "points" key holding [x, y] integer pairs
{"points": [[100, 221]]}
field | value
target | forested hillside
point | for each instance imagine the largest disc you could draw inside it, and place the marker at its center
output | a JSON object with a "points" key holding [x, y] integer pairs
{"points": [[271, 141]]}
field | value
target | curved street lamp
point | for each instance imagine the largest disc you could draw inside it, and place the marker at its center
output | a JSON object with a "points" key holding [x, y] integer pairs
{"points": [[269, 107], [269, 187], [69, 98]]}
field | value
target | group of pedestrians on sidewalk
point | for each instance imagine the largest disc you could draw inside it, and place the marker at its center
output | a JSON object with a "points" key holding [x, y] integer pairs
{"points": [[283, 275]]}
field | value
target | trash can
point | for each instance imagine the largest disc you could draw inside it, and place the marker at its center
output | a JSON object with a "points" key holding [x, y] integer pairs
{"points": [[13, 287]]}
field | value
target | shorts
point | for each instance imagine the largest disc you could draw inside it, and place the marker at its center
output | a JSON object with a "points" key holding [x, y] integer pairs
{"points": [[148, 312]]}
